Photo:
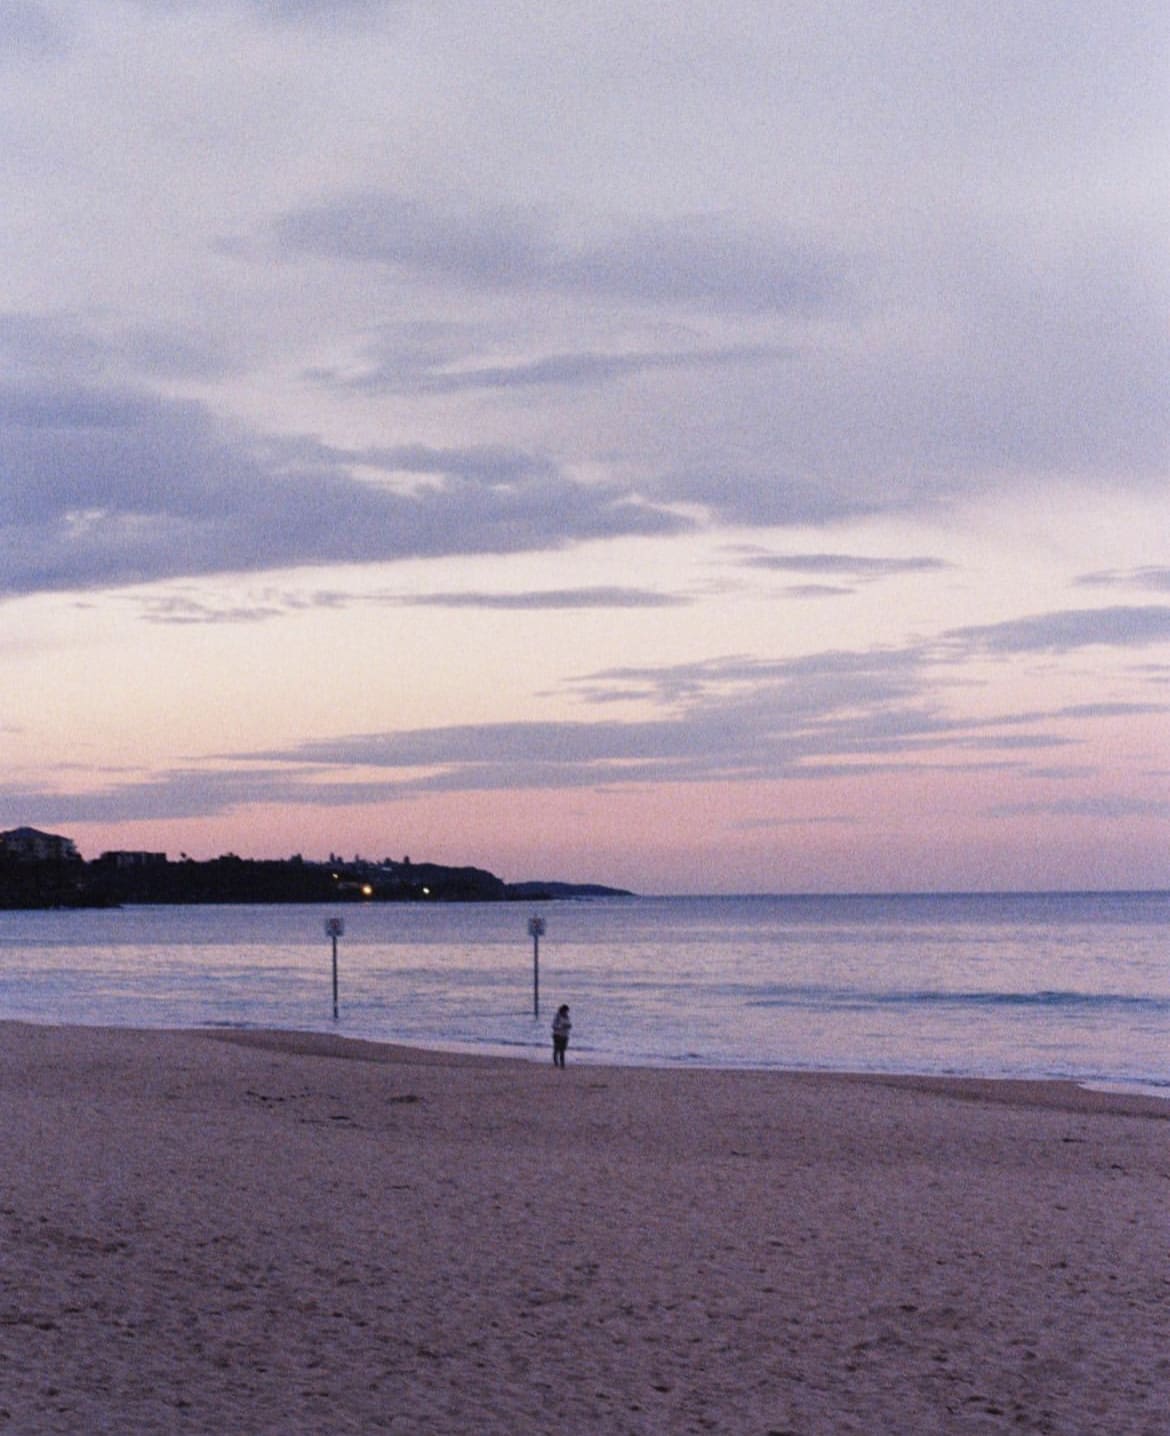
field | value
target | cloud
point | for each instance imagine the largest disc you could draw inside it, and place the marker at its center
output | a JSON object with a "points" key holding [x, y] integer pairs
{"points": [[107, 487], [710, 728], [1006, 351], [565, 370], [834, 715], [939, 335], [855, 566], [59, 348], [1061, 632], [189, 793], [1109, 710], [329, 11], [705, 259], [184, 609], [733, 720], [277, 13], [1094, 809], [812, 682], [768, 492], [752, 825], [818, 590], [1002, 350], [1150, 577], [544, 600], [494, 248], [858, 569], [188, 608], [29, 31]]}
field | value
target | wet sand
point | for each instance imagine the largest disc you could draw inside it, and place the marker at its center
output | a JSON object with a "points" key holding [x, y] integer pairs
{"points": [[275, 1233]]}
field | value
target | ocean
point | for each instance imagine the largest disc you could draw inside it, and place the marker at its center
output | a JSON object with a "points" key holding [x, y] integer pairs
{"points": [[1054, 985]]}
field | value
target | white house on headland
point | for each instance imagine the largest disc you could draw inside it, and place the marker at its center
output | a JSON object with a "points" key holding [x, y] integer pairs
{"points": [[28, 845]]}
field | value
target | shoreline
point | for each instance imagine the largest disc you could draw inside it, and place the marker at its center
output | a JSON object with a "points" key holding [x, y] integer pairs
{"points": [[1040, 1091], [265, 1231], [1153, 1090]]}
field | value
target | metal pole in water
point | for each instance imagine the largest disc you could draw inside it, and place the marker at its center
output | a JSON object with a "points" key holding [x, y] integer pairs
{"points": [[536, 928], [334, 927]]}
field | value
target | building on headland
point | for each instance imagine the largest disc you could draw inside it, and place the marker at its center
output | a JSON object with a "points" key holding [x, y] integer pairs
{"points": [[121, 860], [29, 845]]}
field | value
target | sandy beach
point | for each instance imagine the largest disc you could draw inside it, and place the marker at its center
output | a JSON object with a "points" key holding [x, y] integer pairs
{"points": [[276, 1233]]}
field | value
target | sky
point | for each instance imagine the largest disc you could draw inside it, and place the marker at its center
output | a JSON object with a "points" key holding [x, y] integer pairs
{"points": [[718, 446]]}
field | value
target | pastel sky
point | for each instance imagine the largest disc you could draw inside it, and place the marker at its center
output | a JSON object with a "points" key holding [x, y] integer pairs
{"points": [[717, 446]]}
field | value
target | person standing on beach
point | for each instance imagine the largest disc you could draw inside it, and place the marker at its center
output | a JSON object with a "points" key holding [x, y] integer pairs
{"points": [[561, 1027]]}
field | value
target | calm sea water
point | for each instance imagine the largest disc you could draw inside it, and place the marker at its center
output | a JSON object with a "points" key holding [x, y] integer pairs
{"points": [[1064, 985]]}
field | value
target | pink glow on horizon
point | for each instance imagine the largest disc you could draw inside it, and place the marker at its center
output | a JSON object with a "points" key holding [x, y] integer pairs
{"points": [[877, 835]]}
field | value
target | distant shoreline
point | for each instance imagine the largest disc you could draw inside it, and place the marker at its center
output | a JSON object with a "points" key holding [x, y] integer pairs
{"points": [[569, 892]]}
